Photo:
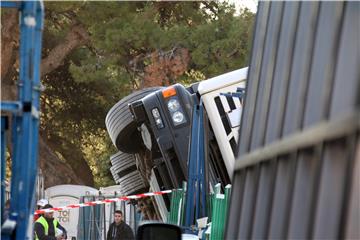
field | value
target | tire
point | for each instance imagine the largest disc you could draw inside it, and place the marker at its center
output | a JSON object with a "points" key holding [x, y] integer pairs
{"points": [[122, 160], [120, 124], [125, 174]]}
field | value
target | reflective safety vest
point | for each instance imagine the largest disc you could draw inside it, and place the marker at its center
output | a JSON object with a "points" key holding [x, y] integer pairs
{"points": [[43, 222]]}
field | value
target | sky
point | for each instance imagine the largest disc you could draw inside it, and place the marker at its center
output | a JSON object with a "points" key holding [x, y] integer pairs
{"points": [[250, 4]]}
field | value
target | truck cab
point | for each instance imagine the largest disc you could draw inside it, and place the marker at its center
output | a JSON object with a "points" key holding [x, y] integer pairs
{"points": [[162, 132]]}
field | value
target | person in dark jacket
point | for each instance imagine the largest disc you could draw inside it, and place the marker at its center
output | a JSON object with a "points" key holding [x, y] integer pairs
{"points": [[119, 230], [48, 228]]}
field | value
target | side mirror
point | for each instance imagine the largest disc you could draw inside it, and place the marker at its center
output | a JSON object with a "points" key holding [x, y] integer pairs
{"points": [[158, 231]]}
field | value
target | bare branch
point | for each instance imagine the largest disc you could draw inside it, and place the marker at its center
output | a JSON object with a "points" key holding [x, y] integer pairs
{"points": [[76, 37]]}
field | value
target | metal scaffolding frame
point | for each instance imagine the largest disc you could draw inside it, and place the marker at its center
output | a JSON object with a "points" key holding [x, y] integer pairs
{"points": [[24, 123]]}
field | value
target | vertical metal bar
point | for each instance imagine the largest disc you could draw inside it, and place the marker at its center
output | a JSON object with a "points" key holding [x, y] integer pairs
{"points": [[218, 214], [257, 52], [264, 199], [4, 127], [226, 206], [299, 75], [319, 153], [331, 189], [280, 207], [183, 203], [324, 58], [25, 186], [170, 217], [236, 199], [199, 154], [349, 184], [346, 91], [36, 87], [281, 79], [189, 212], [16, 135], [293, 171], [351, 224], [104, 218], [247, 208], [266, 74], [94, 219], [201, 160]]}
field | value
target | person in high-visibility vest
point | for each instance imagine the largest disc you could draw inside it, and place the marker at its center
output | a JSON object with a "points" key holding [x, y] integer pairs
{"points": [[48, 228]]}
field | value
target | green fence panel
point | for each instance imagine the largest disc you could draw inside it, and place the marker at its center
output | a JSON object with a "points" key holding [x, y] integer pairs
{"points": [[173, 209], [227, 202], [219, 212], [176, 207], [183, 197]]}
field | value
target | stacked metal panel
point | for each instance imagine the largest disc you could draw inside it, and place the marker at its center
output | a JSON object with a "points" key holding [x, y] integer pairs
{"points": [[298, 165], [176, 213], [220, 206]]}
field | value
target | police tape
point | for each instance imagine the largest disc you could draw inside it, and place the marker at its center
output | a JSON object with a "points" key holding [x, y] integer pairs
{"points": [[110, 200]]}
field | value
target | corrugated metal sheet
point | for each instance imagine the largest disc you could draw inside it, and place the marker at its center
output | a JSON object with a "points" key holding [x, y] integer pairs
{"points": [[298, 165]]}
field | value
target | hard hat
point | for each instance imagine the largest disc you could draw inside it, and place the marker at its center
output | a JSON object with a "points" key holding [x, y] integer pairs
{"points": [[42, 202]]}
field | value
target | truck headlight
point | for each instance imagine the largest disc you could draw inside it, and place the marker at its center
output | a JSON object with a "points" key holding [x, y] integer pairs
{"points": [[173, 105], [175, 110], [157, 118], [178, 118]]}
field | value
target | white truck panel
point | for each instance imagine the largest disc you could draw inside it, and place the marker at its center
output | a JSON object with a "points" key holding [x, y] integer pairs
{"points": [[209, 90]]}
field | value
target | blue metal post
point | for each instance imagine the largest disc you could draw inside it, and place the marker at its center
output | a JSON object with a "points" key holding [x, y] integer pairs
{"points": [[196, 192], [8, 4], [4, 126], [201, 160], [31, 25], [189, 208], [36, 89], [25, 121], [200, 193]]}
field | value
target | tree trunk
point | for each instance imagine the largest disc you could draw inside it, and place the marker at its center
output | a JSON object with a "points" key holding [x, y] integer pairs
{"points": [[9, 36], [76, 37], [54, 170]]}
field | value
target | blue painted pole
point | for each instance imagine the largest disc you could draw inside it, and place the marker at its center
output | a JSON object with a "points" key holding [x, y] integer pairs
{"points": [[3, 162], [200, 176], [16, 135], [36, 91], [189, 209], [21, 188], [9, 4], [198, 162], [30, 51], [201, 159], [25, 121]]}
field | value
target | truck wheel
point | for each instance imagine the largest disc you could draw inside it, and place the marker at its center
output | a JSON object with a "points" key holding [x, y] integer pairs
{"points": [[120, 124], [125, 174]]}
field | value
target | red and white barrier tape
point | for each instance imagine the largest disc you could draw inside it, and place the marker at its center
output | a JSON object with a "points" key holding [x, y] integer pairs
{"points": [[110, 200]]}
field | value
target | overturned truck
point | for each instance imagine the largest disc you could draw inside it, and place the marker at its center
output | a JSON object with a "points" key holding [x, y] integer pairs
{"points": [[151, 129]]}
